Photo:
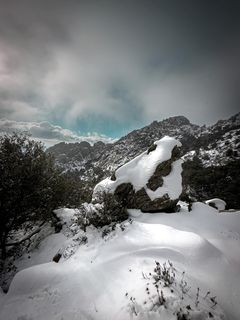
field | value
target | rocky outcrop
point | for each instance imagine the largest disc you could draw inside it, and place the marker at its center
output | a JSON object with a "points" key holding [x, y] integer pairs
{"points": [[126, 195], [148, 192]]}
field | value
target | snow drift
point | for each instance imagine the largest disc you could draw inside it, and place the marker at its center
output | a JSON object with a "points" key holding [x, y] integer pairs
{"points": [[92, 283]]}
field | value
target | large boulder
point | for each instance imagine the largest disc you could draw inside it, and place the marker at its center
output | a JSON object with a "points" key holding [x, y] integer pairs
{"points": [[151, 182]]}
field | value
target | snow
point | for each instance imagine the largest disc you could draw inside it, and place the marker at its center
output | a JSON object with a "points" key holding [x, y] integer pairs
{"points": [[46, 244], [172, 184], [44, 253], [215, 153], [93, 282], [67, 216], [218, 203], [139, 170]]}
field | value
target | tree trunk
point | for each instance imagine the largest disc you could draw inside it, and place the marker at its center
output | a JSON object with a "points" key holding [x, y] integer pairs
{"points": [[3, 248]]}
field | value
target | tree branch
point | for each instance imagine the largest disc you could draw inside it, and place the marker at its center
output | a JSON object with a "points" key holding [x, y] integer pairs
{"points": [[27, 237]]}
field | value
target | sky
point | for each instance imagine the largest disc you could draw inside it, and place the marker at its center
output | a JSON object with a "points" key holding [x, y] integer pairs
{"points": [[95, 70]]}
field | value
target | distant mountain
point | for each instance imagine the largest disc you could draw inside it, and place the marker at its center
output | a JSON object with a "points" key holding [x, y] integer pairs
{"points": [[213, 146]]}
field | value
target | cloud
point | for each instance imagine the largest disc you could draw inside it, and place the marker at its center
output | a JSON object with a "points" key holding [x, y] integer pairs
{"points": [[112, 66], [49, 134]]}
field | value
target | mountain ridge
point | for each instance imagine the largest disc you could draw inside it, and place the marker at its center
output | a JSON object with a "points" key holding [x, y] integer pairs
{"points": [[74, 156], [211, 154]]}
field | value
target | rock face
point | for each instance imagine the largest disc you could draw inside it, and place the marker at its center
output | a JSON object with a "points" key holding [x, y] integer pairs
{"points": [[150, 182]]}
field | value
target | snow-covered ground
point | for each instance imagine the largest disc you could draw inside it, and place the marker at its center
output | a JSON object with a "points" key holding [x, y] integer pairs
{"points": [[101, 279]]}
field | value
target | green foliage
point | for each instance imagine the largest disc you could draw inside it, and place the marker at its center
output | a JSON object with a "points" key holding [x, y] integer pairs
{"points": [[215, 181], [111, 211], [107, 212], [72, 190], [30, 185]]}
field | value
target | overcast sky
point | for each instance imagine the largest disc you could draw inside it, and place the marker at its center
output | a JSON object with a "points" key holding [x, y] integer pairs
{"points": [[104, 68]]}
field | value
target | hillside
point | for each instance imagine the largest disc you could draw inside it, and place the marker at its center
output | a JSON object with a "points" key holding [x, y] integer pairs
{"points": [[171, 263], [210, 151]]}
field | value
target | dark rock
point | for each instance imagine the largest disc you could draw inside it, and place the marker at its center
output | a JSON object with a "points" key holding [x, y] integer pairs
{"points": [[162, 170], [176, 153], [58, 227], [57, 257], [160, 205], [113, 177], [141, 198], [212, 204], [152, 148], [124, 194]]}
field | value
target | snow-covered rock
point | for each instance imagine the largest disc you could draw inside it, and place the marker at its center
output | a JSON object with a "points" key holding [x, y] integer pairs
{"points": [[217, 203], [151, 181]]}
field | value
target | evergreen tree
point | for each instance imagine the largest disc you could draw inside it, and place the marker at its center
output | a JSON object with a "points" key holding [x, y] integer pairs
{"points": [[30, 185]]}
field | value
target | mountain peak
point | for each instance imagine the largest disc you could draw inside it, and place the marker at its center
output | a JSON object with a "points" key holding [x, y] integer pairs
{"points": [[177, 121]]}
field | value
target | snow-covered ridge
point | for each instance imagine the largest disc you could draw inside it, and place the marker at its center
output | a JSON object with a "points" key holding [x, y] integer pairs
{"points": [[208, 140]]}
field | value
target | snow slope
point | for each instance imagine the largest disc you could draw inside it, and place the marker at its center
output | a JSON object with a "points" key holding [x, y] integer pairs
{"points": [[96, 281]]}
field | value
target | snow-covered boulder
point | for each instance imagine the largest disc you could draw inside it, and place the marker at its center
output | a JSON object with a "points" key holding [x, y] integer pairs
{"points": [[151, 182], [217, 203]]}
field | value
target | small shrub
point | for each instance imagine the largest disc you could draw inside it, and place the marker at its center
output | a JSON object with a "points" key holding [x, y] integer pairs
{"points": [[166, 291], [104, 213]]}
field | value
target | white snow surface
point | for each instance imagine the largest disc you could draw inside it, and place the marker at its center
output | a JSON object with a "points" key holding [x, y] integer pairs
{"points": [[92, 283], [172, 184], [219, 203], [139, 170]]}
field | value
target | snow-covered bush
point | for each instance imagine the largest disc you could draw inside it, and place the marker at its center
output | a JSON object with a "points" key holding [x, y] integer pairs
{"points": [[105, 212]]}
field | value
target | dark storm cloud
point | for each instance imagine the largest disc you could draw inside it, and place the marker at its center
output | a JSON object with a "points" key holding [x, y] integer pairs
{"points": [[128, 62]]}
